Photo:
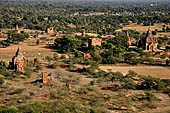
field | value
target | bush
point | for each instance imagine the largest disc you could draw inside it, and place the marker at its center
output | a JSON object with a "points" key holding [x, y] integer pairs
{"points": [[54, 65], [117, 76], [48, 58], [129, 84], [3, 71], [28, 71], [55, 56], [18, 91], [150, 96], [2, 81], [9, 110], [38, 67], [149, 83]]}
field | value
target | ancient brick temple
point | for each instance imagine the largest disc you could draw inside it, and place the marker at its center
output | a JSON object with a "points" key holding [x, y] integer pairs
{"points": [[18, 61], [16, 27], [148, 43], [83, 33], [45, 79], [50, 30], [94, 42], [129, 39]]}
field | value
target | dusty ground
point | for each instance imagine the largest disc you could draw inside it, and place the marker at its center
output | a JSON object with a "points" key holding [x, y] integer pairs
{"points": [[155, 71]]}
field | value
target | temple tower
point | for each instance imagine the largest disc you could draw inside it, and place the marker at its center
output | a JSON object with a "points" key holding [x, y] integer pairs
{"points": [[18, 61], [148, 43]]}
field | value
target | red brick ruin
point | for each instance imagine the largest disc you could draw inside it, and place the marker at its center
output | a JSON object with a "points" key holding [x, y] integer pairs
{"points": [[50, 30], [83, 33], [94, 42], [45, 79]]}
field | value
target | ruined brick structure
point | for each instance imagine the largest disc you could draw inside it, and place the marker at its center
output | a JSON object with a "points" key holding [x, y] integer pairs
{"points": [[129, 39], [148, 43], [50, 30], [18, 61], [45, 79], [16, 27], [83, 33], [68, 85], [94, 42], [87, 55], [57, 34]]}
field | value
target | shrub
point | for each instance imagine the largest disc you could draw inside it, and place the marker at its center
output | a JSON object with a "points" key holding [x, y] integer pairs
{"points": [[55, 56], [117, 76], [129, 84], [149, 83], [3, 71], [28, 71], [54, 65], [38, 67], [2, 81], [150, 96], [9, 110], [18, 91], [48, 58]]}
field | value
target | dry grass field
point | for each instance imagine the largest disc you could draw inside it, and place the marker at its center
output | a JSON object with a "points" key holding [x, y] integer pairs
{"points": [[155, 71], [141, 28], [29, 52]]}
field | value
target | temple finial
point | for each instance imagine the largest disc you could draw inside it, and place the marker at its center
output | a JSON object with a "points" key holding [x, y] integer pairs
{"points": [[149, 28], [127, 33]]}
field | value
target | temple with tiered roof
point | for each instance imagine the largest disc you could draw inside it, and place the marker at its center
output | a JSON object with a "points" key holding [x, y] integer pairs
{"points": [[18, 61], [148, 43]]}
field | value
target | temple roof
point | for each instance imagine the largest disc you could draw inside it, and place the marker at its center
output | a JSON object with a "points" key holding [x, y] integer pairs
{"points": [[19, 56], [19, 52], [149, 37]]}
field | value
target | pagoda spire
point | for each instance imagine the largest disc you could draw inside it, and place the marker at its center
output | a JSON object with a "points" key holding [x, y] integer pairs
{"points": [[19, 52]]}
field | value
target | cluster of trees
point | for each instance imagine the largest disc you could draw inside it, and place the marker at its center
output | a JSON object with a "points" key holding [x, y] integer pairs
{"points": [[134, 81], [112, 51], [40, 16], [14, 37], [67, 44]]}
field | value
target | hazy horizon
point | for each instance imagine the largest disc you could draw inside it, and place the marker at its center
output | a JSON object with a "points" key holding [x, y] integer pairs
{"points": [[90, 0]]}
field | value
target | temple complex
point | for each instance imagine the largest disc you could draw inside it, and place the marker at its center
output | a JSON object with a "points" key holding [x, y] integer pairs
{"points": [[18, 61], [148, 43]]}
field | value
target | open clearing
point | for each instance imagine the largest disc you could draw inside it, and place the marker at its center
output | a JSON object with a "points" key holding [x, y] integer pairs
{"points": [[29, 52], [155, 71]]}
